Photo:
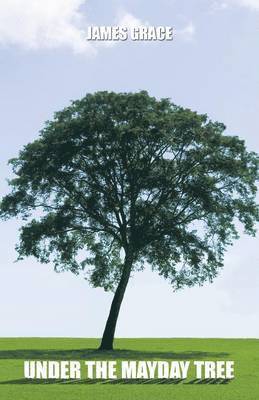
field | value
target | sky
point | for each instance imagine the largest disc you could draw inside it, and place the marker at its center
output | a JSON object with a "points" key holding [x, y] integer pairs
{"points": [[211, 66]]}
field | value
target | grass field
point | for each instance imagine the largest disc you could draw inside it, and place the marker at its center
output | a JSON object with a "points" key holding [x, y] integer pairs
{"points": [[245, 353]]}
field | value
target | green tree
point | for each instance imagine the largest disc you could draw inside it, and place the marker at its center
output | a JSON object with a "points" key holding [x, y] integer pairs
{"points": [[119, 180]]}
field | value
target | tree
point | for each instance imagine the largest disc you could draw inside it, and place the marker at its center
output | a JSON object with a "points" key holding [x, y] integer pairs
{"points": [[119, 180]]}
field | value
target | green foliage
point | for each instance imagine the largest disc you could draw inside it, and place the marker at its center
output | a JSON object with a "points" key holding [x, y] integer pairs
{"points": [[126, 171]]}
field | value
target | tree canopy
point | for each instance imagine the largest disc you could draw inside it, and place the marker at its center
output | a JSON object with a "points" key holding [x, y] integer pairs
{"points": [[126, 171]]}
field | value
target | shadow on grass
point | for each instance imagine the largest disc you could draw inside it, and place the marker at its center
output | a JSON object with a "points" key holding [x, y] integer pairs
{"points": [[116, 382], [93, 354]]}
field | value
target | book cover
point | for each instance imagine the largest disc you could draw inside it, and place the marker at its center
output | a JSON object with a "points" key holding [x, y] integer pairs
{"points": [[128, 199]]}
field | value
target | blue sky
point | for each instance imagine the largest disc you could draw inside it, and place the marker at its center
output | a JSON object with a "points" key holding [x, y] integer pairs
{"points": [[211, 67]]}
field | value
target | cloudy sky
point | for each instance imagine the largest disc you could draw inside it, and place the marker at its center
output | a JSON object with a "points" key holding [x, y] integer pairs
{"points": [[211, 66]]}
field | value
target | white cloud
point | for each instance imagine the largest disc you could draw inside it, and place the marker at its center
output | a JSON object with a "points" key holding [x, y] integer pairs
{"points": [[52, 24], [130, 21], [187, 32], [123, 19], [252, 4], [219, 6], [36, 24]]}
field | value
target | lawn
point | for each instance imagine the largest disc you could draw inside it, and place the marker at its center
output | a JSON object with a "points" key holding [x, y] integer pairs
{"points": [[245, 353]]}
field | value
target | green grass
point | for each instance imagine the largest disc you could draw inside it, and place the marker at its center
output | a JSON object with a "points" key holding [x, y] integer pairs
{"points": [[245, 353]]}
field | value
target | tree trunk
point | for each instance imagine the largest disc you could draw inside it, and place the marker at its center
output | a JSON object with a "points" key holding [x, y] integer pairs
{"points": [[108, 334]]}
